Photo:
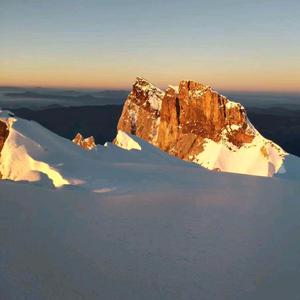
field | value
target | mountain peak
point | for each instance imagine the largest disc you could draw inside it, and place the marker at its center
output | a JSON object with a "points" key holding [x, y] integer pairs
{"points": [[196, 123], [192, 85], [143, 82], [85, 143], [146, 85]]}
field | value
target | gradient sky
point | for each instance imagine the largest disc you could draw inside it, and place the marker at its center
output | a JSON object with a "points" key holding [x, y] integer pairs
{"points": [[229, 44]]}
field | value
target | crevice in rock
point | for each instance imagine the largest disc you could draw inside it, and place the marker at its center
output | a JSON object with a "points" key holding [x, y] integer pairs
{"points": [[177, 110]]}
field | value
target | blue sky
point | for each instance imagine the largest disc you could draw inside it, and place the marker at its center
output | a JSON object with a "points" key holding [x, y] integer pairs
{"points": [[241, 45]]}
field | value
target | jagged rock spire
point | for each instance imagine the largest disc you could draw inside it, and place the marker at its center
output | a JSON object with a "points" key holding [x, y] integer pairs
{"points": [[86, 143], [195, 123]]}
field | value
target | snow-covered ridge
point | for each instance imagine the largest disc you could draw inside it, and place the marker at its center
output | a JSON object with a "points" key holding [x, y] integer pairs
{"points": [[35, 154], [22, 158], [260, 157]]}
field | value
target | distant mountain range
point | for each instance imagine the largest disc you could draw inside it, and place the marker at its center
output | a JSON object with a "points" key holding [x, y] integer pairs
{"points": [[37, 98], [79, 99]]}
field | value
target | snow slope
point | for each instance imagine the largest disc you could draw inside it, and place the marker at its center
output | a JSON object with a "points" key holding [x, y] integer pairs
{"points": [[222, 237], [33, 153], [260, 157], [218, 156], [140, 224]]}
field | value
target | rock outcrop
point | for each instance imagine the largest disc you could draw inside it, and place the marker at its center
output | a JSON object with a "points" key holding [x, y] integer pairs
{"points": [[195, 123], [3, 136], [86, 143]]}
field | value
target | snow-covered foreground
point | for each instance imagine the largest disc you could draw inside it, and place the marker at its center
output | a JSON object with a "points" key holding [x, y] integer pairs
{"points": [[140, 224], [221, 239]]}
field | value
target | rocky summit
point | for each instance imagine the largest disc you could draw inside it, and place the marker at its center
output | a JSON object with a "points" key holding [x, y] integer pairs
{"points": [[85, 143], [193, 122]]}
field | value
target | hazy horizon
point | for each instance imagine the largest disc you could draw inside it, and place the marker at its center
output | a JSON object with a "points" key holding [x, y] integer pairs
{"points": [[230, 45], [129, 87]]}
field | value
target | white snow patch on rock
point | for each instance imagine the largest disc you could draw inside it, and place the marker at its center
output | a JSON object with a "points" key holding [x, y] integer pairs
{"points": [[175, 88], [231, 104], [155, 95], [124, 141]]}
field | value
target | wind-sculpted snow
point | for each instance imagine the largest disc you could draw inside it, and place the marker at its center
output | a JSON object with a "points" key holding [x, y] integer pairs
{"points": [[23, 158]]}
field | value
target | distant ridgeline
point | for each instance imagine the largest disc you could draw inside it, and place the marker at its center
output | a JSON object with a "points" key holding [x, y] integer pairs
{"points": [[101, 120]]}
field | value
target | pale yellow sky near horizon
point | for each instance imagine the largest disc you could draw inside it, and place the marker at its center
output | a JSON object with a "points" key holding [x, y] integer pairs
{"points": [[255, 79], [228, 44]]}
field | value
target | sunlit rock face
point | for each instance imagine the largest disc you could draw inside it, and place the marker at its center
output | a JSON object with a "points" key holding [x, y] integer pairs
{"points": [[196, 113], [195, 123], [85, 143], [141, 112], [3, 136]]}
